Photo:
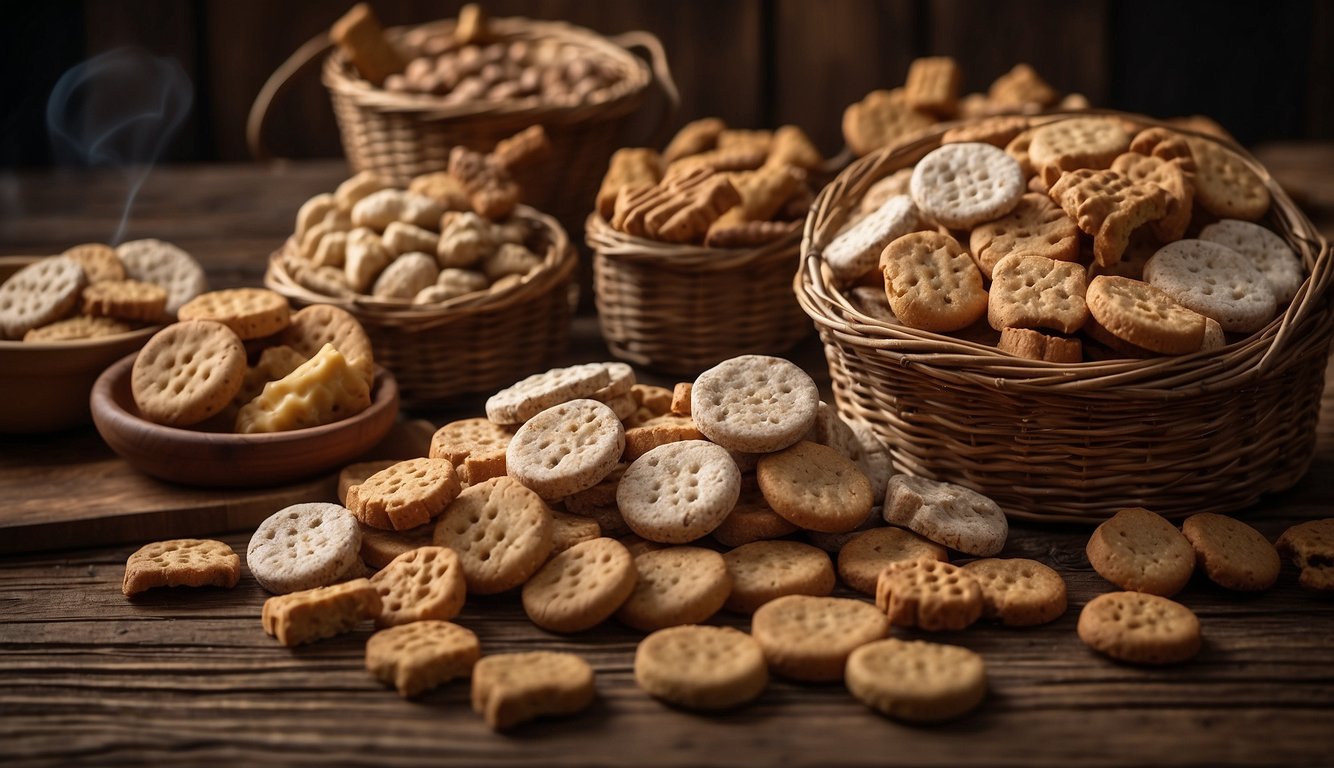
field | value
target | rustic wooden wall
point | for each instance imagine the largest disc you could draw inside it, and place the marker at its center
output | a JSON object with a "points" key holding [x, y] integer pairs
{"points": [[1263, 69]]}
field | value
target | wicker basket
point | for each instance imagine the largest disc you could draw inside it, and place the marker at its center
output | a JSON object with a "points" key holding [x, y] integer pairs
{"points": [[680, 308], [475, 343], [1210, 431], [402, 135]]}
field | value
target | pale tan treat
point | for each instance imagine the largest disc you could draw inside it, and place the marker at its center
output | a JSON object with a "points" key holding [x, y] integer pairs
{"points": [[1310, 546], [754, 403], [866, 555], [810, 638], [815, 487], [568, 530], [310, 242], [694, 138], [791, 146], [657, 432], [509, 259], [1225, 184], [252, 313], [443, 188], [406, 276], [406, 495], [313, 212], [356, 189], [1214, 281], [361, 38], [1176, 182], [701, 667], [962, 185], [629, 168], [525, 148], [525, 399], [304, 546], [1231, 553], [379, 547], [763, 191], [187, 372], [77, 327], [125, 300], [1140, 551], [365, 257], [1269, 253], [928, 594], [751, 519], [653, 402], [932, 85], [580, 587], [736, 233], [379, 209], [634, 204], [416, 657], [1030, 291], [492, 192], [621, 379], [320, 324], [932, 283], [39, 294], [600, 495], [1018, 149], [622, 405], [182, 563], [1140, 628], [1018, 592], [423, 583], [879, 193], [482, 467], [1036, 345], [98, 260], [675, 585], [452, 283], [160, 262], [1081, 142], [948, 514], [400, 238], [730, 159], [917, 681], [566, 448], [481, 438], [1022, 86], [1036, 227], [975, 105], [760, 139], [465, 239], [679, 492], [331, 252], [1144, 316], [766, 570], [1109, 206], [880, 119], [315, 614], [997, 131], [689, 211], [855, 251], [326, 281], [1214, 338], [322, 390], [831, 430], [512, 688], [501, 531]]}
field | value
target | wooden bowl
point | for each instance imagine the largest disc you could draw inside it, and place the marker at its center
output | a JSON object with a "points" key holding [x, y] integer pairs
{"points": [[44, 386], [218, 459]]}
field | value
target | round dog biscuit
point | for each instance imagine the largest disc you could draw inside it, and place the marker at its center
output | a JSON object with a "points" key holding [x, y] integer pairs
{"points": [[423, 583], [679, 492], [566, 448], [1310, 546], [581, 587], [160, 262], [39, 294], [416, 657], [1018, 592], [766, 570], [568, 530], [1269, 253], [187, 372], [754, 403], [854, 251], [77, 327], [962, 185], [501, 531], [1140, 551], [815, 487], [810, 638], [304, 546], [1231, 553], [524, 399], [917, 681], [1225, 184], [379, 547], [751, 519], [862, 559], [701, 667], [1036, 226], [676, 585], [1083, 142], [1030, 291], [1214, 281], [511, 688], [252, 313], [126, 300], [99, 261], [405, 495], [181, 563], [949, 514], [928, 594], [932, 282], [1140, 628], [1140, 314]]}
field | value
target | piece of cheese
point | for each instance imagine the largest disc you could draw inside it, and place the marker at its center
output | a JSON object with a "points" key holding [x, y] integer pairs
{"points": [[322, 390]]}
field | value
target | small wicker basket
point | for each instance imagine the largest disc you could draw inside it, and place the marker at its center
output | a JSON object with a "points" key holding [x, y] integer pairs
{"points": [[474, 343], [681, 308], [1210, 431]]}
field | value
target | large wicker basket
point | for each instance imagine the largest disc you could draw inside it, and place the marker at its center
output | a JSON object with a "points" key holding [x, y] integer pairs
{"points": [[1210, 431], [681, 308], [402, 135], [476, 343]]}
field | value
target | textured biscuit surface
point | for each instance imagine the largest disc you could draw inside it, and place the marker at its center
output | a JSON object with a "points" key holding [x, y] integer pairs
{"points": [[512, 688], [423, 583], [754, 403], [406, 495], [766, 570], [319, 324], [1036, 226], [1018, 592], [77, 327], [1266, 250], [1029, 291], [928, 594], [580, 587], [855, 251], [917, 681], [701, 667], [862, 559], [751, 519], [679, 492], [99, 261], [1231, 553], [676, 585], [525, 399], [501, 531], [1140, 551], [314, 614], [809, 638], [815, 487], [252, 313], [1214, 281], [567, 448], [1310, 546], [1140, 628], [181, 563], [156, 261], [417, 657], [932, 283], [187, 372], [1144, 316], [38, 294], [1225, 185], [963, 185], [304, 546], [949, 514]]}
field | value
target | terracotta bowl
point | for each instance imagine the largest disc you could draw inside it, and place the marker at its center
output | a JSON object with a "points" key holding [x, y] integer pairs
{"points": [[44, 386], [217, 459]]}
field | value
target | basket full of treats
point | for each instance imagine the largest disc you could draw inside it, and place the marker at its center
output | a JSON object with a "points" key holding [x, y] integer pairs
{"points": [[694, 246], [1075, 314], [458, 286]]}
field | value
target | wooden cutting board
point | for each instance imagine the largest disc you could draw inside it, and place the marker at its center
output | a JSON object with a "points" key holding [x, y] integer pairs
{"points": [[70, 490]]}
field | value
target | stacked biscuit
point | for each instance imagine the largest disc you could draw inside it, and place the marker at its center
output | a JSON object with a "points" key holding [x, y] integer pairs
{"points": [[94, 290], [1077, 239], [449, 234], [712, 186]]}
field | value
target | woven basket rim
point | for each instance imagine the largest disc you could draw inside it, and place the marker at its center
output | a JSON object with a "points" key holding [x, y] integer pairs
{"points": [[1160, 377], [339, 76], [558, 262], [611, 243]]}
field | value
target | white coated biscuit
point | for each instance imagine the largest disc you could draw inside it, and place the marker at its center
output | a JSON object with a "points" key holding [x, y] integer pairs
{"points": [[679, 492], [856, 250], [524, 399], [160, 262], [1214, 281], [963, 185], [304, 546], [958, 517], [754, 403], [566, 449], [1270, 253]]}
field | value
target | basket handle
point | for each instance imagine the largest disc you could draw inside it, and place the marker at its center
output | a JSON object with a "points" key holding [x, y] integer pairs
{"points": [[662, 76], [259, 110]]}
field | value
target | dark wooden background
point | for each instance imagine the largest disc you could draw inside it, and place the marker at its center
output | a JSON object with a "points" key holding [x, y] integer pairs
{"points": [[1263, 69]]}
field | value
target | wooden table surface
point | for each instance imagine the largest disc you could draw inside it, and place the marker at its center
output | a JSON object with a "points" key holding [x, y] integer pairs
{"points": [[186, 677]]}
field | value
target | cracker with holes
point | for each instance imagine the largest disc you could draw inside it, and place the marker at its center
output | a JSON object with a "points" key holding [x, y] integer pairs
{"points": [[962, 185], [478, 439], [566, 448], [766, 570], [880, 119], [674, 586], [862, 559], [1310, 546], [406, 495], [160, 262], [187, 372], [1036, 292], [1268, 252], [701, 667], [1231, 553], [751, 519], [931, 282], [754, 403], [1214, 281], [512, 688], [581, 587], [1036, 345], [855, 251], [815, 487], [98, 260], [917, 681], [810, 638], [928, 594], [251, 313], [125, 300], [77, 327], [1144, 316], [39, 294], [321, 390], [1140, 628], [319, 613], [1109, 206], [1141, 551], [957, 517], [1018, 592], [1176, 181], [1036, 227], [423, 583], [1083, 142], [679, 492], [416, 657], [304, 546], [1225, 184], [320, 324], [501, 531], [181, 563], [525, 399]]}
